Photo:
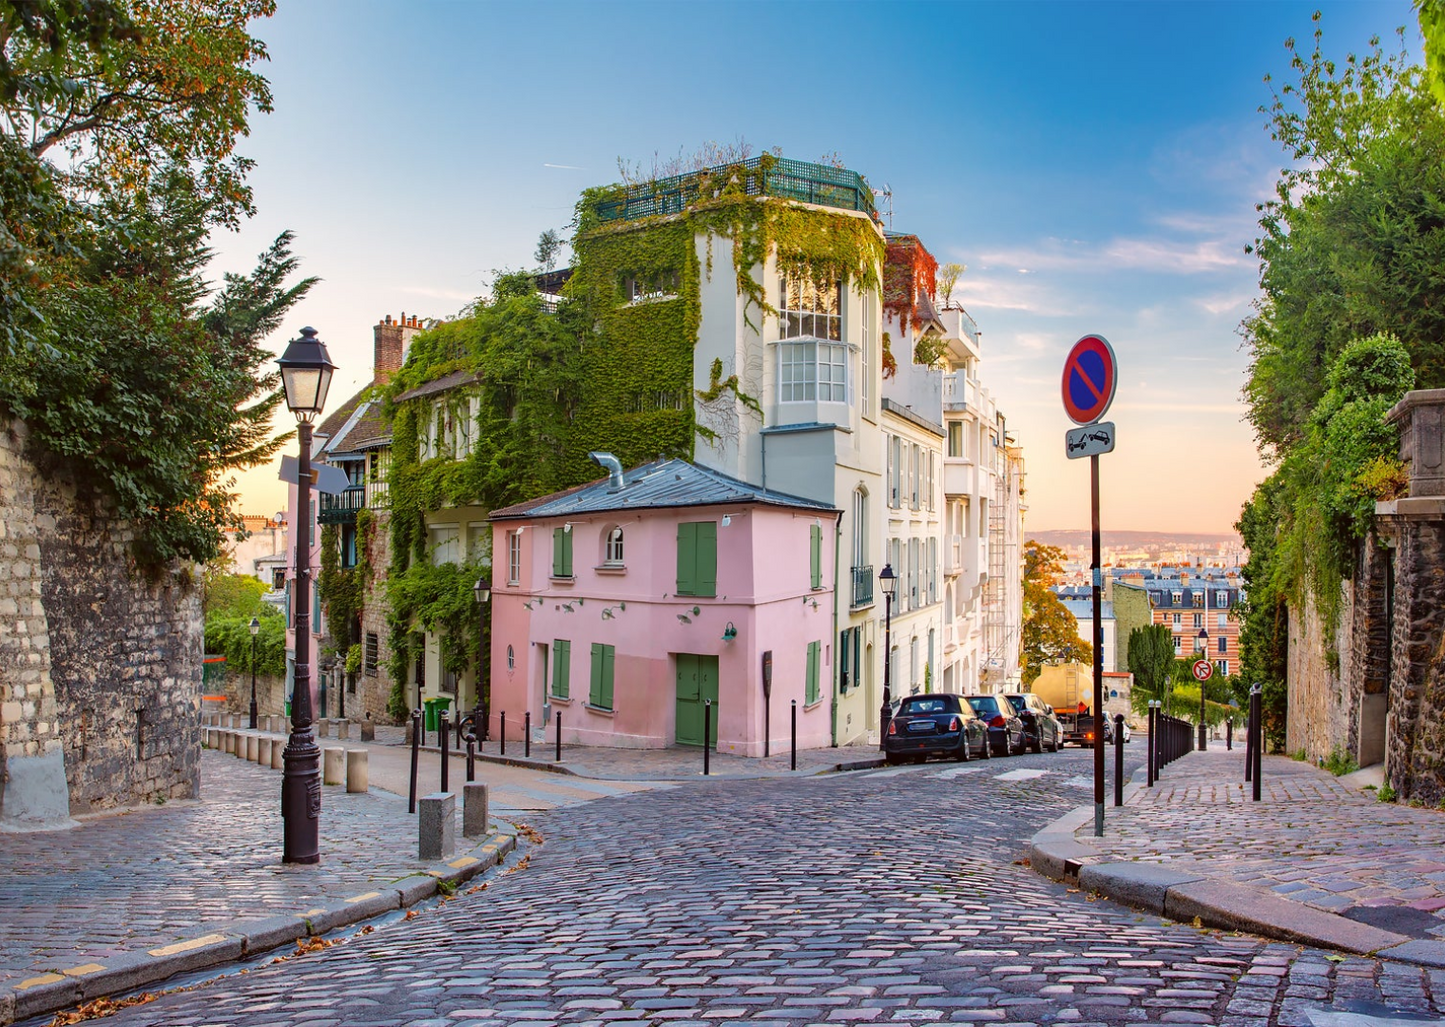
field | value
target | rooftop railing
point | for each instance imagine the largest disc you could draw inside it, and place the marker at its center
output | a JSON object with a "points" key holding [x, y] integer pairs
{"points": [[758, 176]]}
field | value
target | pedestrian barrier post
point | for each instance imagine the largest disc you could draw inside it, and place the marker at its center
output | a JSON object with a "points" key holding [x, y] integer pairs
{"points": [[474, 810], [504, 732], [1249, 741], [415, 758], [1229, 734], [794, 764], [1256, 711], [443, 737], [437, 826], [1152, 742], [527, 734], [471, 757], [559, 736], [706, 732], [1118, 759]]}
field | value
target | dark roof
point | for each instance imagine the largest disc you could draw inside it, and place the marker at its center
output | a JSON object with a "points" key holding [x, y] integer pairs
{"points": [[551, 282], [442, 384], [657, 485], [367, 430], [336, 420]]}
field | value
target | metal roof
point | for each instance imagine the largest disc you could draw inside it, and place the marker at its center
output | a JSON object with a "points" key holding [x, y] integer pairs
{"points": [[660, 484], [442, 384]]}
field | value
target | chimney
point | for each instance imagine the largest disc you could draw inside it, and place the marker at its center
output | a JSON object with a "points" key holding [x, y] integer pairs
{"points": [[392, 339]]}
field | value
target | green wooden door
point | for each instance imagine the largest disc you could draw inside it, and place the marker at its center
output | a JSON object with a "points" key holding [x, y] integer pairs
{"points": [[696, 681]]}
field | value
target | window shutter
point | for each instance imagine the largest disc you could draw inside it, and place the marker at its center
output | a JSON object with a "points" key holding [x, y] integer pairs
{"points": [[811, 695], [816, 556], [561, 667], [687, 559], [595, 689], [707, 558], [566, 554], [557, 536], [609, 654]]}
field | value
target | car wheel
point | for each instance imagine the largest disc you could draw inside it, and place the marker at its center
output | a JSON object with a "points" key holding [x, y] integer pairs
{"points": [[1058, 742], [986, 749], [892, 759], [963, 755]]}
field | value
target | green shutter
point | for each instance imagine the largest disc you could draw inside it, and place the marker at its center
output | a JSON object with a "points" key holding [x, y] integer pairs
{"points": [[707, 558], [687, 559], [811, 695], [558, 536], [817, 556], [566, 554], [561, 667], [603, 657]]}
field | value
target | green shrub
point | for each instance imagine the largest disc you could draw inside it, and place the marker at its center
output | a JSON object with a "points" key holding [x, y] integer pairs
{"points": [[1340, 763]]}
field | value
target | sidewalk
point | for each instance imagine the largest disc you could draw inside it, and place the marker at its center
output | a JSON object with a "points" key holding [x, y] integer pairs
{"points": [[1317, 860], [126, 899]]}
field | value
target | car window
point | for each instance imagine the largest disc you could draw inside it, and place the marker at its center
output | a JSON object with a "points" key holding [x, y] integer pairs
{"points": [[984, 704], [1018, 702], [925, 704]]}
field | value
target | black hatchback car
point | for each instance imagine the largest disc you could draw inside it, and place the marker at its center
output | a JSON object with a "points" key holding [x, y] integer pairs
{"points": [[936, 724], [1005, 729], [1042, 729]]}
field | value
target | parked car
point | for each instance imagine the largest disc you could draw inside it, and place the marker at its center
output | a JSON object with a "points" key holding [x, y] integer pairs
{"points": [[937, 724], [1042, 729], [1005, 729], [1109, 731]]}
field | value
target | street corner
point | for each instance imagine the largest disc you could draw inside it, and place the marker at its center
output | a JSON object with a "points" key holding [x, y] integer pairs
{"points": [[1057, 852], [1142, 885], [1240, 907], [38, 994]]}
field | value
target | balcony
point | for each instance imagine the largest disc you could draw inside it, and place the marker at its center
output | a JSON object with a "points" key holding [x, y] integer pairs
{"points": [[960, 392], [862, 587], [952, 555], [759, 176], [341, 509]]}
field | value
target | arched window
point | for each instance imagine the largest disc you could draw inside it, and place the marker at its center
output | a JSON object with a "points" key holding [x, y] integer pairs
{"points": [[613, 555]]}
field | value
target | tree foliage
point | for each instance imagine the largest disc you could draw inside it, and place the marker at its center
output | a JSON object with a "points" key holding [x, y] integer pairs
{"points": [[118, 124], [1050, 632], [1151, 656]]}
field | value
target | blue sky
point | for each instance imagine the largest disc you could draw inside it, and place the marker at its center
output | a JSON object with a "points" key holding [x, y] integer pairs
{"points": [[1095, 166]]}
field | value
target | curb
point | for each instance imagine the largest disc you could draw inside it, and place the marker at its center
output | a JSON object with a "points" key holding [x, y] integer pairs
{"points": [[565, 770], [57, 990], [1186, 893]]}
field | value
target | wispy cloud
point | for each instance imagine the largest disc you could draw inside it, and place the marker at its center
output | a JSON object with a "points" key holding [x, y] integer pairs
{"points": [[563, 167], [1174, 256]]}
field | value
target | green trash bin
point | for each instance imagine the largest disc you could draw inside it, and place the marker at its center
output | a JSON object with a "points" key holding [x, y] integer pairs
{"points": [[443, 703], [429, 714]]}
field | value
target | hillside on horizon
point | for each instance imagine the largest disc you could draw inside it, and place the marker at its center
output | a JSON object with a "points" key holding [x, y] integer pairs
{"points": [[1141, 539]]}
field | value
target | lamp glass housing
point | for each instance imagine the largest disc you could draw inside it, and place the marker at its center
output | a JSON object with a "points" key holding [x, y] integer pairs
{"points": [[306, 370], [255, 627], [888, 580], [482, 590]]}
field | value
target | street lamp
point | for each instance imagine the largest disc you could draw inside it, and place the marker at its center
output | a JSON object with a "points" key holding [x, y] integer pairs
{"points": [[1203, 655], [482, 590], [255, 630], [888, 581], [306, 370]]}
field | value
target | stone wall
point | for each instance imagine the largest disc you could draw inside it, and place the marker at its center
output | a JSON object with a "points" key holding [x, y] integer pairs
{"points": [[236, 687], [1317, 712], [118, 655], [1415, 760], [373, 689]]}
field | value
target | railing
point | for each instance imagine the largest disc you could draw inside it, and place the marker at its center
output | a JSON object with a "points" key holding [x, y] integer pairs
{"points": [[759, 176], [862, 587], [341, 509]]}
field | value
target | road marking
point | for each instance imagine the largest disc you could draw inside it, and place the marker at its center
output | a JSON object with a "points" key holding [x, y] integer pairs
{"points": [[36, 981], [186, 946], [464, 861], [955, 771], [1020, 775], [83, 970], [363, 898]]}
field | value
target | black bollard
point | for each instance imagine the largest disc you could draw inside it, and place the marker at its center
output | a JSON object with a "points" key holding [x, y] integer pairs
{"points": [[471, 758], [415, 757], [1118, 759], [527, 734], [1149, 752], [794, 764], [443, 737], [559, 736], [1229, 734], [504, 732], [1256, 712], [706, 731], [1249, 741]]}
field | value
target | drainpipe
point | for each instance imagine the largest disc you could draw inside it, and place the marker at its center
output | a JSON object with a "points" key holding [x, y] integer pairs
{"points": [[614, 468], [837, 557]]}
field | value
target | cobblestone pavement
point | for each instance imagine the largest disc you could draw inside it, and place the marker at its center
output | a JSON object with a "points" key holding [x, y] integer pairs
{"points": [[1311, 838], [123, 881], [892, 897]]}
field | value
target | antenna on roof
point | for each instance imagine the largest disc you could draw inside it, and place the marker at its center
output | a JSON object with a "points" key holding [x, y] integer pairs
{"points": [[887, 193]]}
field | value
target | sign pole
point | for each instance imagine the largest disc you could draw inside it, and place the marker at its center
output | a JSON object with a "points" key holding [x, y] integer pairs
{"points": [[1098, 655]]}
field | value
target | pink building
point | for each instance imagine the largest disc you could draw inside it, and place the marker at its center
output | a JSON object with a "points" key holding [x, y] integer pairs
{"points": [[623, 605]]}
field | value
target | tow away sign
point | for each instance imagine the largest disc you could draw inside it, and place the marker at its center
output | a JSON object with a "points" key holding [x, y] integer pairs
{"points": [[1090, 440]]}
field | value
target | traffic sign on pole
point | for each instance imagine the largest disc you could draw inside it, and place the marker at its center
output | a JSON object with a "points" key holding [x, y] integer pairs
{"points": [[1090, 440], [1091, 374], [1203, 670]]}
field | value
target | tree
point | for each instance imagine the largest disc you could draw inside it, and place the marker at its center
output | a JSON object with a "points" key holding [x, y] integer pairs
{"points": [[1050, 632], [549, 243], [1432, 26], [1151, 657]]}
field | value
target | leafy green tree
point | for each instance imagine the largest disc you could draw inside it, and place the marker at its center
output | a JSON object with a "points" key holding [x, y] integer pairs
{"points": [[1151, 657], [1050, 632], [233, 595], [1432, 26]]}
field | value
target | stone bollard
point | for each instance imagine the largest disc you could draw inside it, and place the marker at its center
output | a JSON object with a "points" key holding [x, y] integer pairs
{"points": [[323, 728], [368, 730], [474, 809], [253, 746], [240, 749], [358, 774], [263, 750], [343, 730], [436, 826], [278, 748], [227, 740], [333, 766]]}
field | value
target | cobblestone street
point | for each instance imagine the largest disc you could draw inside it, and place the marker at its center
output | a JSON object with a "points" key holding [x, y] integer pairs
{"points": [[872, 897]]}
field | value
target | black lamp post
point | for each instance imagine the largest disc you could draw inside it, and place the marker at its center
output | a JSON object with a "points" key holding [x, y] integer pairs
{"points": [[1203, 655], [888, 581], [255, 630], [306, 370], [482, 590]]}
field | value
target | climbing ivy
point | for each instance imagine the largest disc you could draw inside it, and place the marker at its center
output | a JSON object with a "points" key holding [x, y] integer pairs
{"points": [[342, 590]]}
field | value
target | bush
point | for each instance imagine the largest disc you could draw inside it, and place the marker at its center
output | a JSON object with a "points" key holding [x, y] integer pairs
{"points": [[1341, 763], [230, 636]]}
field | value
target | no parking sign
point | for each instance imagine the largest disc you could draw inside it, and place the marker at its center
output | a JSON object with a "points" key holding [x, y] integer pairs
{"points": [[1091, 374]]}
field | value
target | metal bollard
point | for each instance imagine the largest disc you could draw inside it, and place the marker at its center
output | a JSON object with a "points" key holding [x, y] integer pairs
{"points": [[1249, 741], [1150, 753], [1118, 759], [415, 757], [527, 734], [706, 733], [559, 736], [1229, 734], [443, 738], [471, 757], [504, 732], [1256, 709], [794, 764]]}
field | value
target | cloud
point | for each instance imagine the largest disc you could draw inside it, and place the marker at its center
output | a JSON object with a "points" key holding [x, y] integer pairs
{"points": [[1188, 257], [563, 167]]}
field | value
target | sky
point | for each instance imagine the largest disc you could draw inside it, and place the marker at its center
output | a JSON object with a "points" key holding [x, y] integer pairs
{"points": [[1094, 166]]}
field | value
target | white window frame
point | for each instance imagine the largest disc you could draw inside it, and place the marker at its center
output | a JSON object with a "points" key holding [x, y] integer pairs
{"points": [[514, 557], [806, 311], [867, 356], [812, 370], [613, 549]]}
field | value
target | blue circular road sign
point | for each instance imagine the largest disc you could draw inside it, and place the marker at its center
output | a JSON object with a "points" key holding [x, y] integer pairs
{"points": [[1090, 376]]}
